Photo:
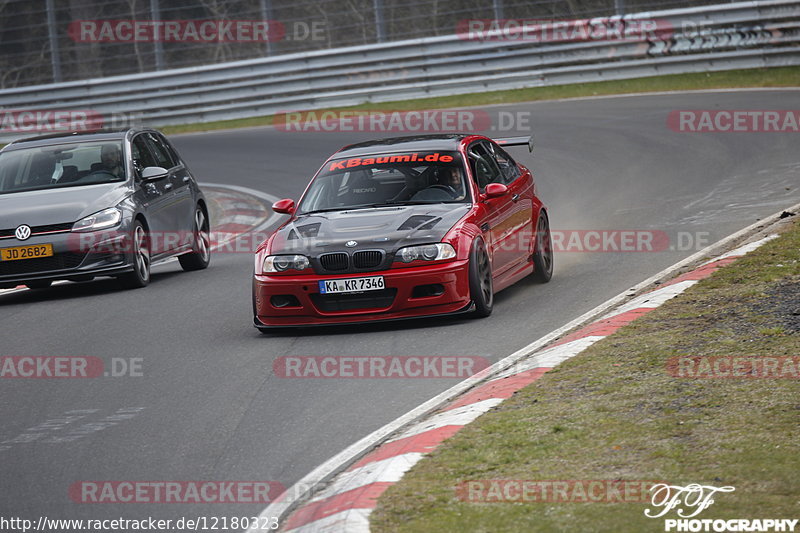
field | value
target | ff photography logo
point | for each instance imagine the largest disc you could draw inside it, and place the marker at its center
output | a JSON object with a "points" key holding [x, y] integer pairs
{"points": [[691, 500]]}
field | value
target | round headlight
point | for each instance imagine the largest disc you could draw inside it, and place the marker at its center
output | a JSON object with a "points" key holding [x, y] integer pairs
{"points": [[283, 262], [430, 252], [300, 262], [408, 254]]}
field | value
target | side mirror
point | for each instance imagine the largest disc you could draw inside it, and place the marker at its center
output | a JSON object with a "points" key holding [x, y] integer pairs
{"points": [[496, 190], [154, 173], [285, 206]]}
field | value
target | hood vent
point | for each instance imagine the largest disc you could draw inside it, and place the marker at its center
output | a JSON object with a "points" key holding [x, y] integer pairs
{"points": [[309, 231], [422, 222]]}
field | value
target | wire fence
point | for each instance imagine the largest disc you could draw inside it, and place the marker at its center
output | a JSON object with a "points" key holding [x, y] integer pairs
{"points": [[47, 41]]}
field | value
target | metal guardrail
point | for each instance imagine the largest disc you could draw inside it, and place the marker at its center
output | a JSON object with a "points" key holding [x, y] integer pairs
{"points": [[709, 38]]}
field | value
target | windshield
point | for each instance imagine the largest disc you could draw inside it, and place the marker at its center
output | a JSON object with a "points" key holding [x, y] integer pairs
{"points": [[63, 165], [391, 179]]}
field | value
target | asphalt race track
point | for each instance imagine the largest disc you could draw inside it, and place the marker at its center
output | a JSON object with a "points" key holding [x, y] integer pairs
{"points": [[208, 407]]}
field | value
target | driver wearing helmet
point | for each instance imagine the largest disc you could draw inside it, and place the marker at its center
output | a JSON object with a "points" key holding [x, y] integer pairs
{"points": [[111, 158]]}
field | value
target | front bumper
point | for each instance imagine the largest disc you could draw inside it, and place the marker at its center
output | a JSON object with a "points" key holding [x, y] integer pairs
{"points": [[401, 299], [72, 259]]}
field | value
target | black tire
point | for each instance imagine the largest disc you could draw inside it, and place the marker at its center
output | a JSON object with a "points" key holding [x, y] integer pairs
{"points": [[140, 255], [481, 289], [543, 254], [39, 284], [200, 256]]}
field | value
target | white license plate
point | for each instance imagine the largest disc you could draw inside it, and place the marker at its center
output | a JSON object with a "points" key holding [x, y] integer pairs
{"points": [[339, 286]]}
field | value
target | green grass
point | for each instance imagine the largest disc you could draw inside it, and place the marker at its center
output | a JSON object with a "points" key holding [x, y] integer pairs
{"points": [[769, 77], [614, 412]]}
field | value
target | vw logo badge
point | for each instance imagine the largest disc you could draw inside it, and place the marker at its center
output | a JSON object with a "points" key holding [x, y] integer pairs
{"points": [[23, 232], [350, 244]]}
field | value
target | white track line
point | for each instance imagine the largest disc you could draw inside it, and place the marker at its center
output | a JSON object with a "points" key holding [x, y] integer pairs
{"points": [[651, 300], [350, 520], [551, 357], [388, 470], [459, 416]]}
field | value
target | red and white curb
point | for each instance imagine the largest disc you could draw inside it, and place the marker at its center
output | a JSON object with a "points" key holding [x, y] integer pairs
{"points": [[332, 499]]}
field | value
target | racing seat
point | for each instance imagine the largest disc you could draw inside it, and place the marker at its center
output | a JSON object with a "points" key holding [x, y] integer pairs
{"points": [[365, 190]]}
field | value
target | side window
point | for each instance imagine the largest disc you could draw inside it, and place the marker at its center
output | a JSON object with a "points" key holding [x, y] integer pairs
{"points": [[170, 149], [163, 155], [483, 166], [508, 166], [142, 158]]}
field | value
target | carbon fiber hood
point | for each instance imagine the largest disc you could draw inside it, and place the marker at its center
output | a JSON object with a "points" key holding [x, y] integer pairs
{"points": [[385, 228]]}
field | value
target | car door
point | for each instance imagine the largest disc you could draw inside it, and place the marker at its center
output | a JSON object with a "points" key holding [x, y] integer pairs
{"points": [[180, 207], [520, 190], [183, 208], [498, 226], [154, 196]]}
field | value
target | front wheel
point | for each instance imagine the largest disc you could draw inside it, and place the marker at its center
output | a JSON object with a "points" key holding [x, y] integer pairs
{"points": [[140, 249], [543, 255], [480, 280], [200, 256]]}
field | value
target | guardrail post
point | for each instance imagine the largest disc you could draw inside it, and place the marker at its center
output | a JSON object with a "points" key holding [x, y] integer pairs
{"points": [[380, 22], [497, 5], [158, 48], [266, 14], [52, 35], [619, 7]]}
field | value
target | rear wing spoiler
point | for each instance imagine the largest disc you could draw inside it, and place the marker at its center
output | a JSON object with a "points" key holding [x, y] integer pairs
{"points": [[517, 141]]}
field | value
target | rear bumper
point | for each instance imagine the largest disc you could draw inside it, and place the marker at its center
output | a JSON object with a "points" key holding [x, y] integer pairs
{"points": [[397, 302]]}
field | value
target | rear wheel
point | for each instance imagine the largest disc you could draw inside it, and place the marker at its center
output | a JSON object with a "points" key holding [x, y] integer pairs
{"points": [[140, 249], [200, 256], [38, 284], [480, 279], [543, 255]]}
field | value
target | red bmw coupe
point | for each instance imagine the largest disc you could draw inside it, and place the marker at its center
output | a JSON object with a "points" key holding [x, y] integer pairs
{"points": [[404, 228]]}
